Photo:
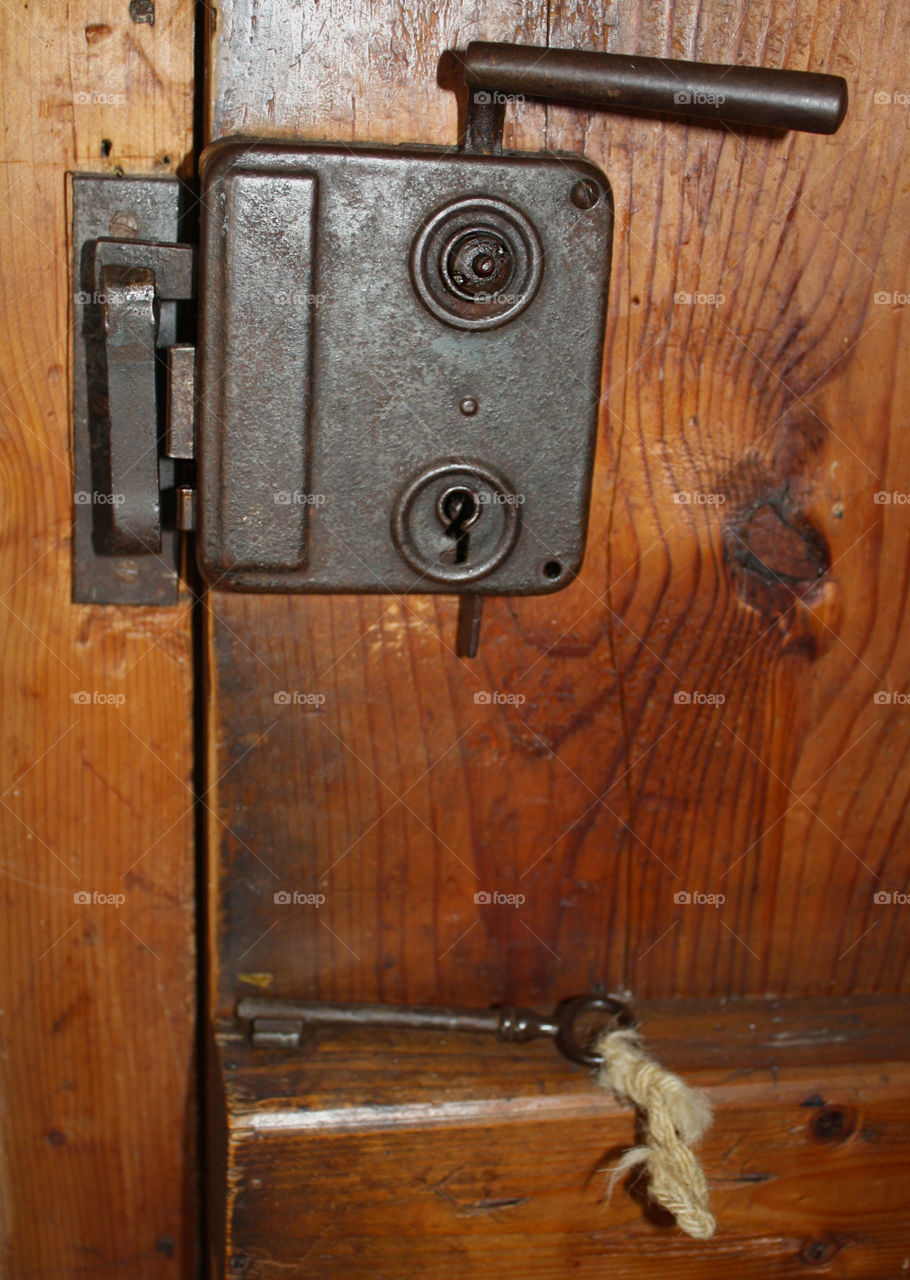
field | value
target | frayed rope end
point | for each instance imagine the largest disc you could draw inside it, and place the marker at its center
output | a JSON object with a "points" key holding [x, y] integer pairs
{"points": [[673, 1116]]}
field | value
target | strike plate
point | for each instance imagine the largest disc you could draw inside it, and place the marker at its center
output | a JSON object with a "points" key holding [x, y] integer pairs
{"points": [[122, 208]]}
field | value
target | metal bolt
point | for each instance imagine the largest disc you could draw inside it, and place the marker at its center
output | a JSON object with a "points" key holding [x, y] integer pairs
{"points": [[468, 406], [126, 570], [123, 225], [585, 194], [142, 11]]}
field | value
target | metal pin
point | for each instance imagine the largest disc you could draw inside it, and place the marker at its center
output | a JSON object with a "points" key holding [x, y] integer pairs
{"points": [[467, 635]]}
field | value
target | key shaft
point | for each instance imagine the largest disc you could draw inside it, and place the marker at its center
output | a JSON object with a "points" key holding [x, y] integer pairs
{"points": [[515, 1025]]}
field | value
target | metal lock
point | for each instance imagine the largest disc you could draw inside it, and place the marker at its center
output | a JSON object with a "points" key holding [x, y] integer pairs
{"points": [[397, 372]]}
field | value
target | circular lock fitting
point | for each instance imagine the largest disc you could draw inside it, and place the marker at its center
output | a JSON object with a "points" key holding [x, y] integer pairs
{"points": [[456, 522], [476, 263]]}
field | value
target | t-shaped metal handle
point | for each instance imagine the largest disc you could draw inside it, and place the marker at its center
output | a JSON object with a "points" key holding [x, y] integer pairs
{"points": [[757, 96]]}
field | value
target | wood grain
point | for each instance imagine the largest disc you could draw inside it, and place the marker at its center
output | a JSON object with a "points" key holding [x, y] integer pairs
{"points": [[395, 1155], [775, 409], [96, 1086]]}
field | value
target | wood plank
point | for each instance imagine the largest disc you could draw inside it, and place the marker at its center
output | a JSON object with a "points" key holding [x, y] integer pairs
{"points": [[601, 797], [96, 1091], [402, 1153]]}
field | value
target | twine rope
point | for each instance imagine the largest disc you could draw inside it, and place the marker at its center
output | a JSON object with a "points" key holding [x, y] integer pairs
{"points": [[673, 1117]]}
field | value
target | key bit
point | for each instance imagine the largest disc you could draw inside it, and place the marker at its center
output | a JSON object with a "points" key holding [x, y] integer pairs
{"points": [[574, 1024]]}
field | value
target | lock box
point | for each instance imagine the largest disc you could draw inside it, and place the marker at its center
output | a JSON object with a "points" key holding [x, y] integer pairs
{"points": [[399, 367]]}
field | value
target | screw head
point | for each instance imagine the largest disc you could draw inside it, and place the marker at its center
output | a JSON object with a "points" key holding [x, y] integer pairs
{"points": [[126, 570], [123, 225], [468, 406]]}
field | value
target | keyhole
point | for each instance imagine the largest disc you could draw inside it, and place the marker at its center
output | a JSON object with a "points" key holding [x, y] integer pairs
{"points": [[458, 508]]}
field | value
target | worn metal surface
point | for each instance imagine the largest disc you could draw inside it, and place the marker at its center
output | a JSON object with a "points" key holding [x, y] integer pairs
{"points": [[171, 264], [130, 445], [574, 1024], [133, 279], [346, 374], [105, 206], [756, 96], [181, 402]]}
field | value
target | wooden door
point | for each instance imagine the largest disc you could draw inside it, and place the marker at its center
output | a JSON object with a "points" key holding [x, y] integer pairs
{"points": [[97, 1098], [693, 788], [694, 783]]}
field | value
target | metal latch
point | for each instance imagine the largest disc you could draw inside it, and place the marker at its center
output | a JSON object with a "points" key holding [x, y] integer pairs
{"points": [[396, 379]]}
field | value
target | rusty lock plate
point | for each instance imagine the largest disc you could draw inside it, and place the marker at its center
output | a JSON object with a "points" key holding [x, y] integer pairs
{"points": [[399, 368]]}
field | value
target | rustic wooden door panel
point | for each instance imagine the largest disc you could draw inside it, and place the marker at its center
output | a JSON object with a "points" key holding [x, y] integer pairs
{"points": [[771, 403], [97, 1106], [676, 773]]}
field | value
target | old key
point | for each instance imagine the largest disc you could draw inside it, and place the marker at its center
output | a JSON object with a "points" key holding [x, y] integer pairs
{"points": [[574, 1024]]}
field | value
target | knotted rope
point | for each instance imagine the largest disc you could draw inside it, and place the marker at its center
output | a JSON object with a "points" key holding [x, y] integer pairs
{"points": [[673, 1116]]}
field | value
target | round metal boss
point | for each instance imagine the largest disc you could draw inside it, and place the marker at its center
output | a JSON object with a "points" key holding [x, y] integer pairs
{"points": [[476, 263], [427, 507]]}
